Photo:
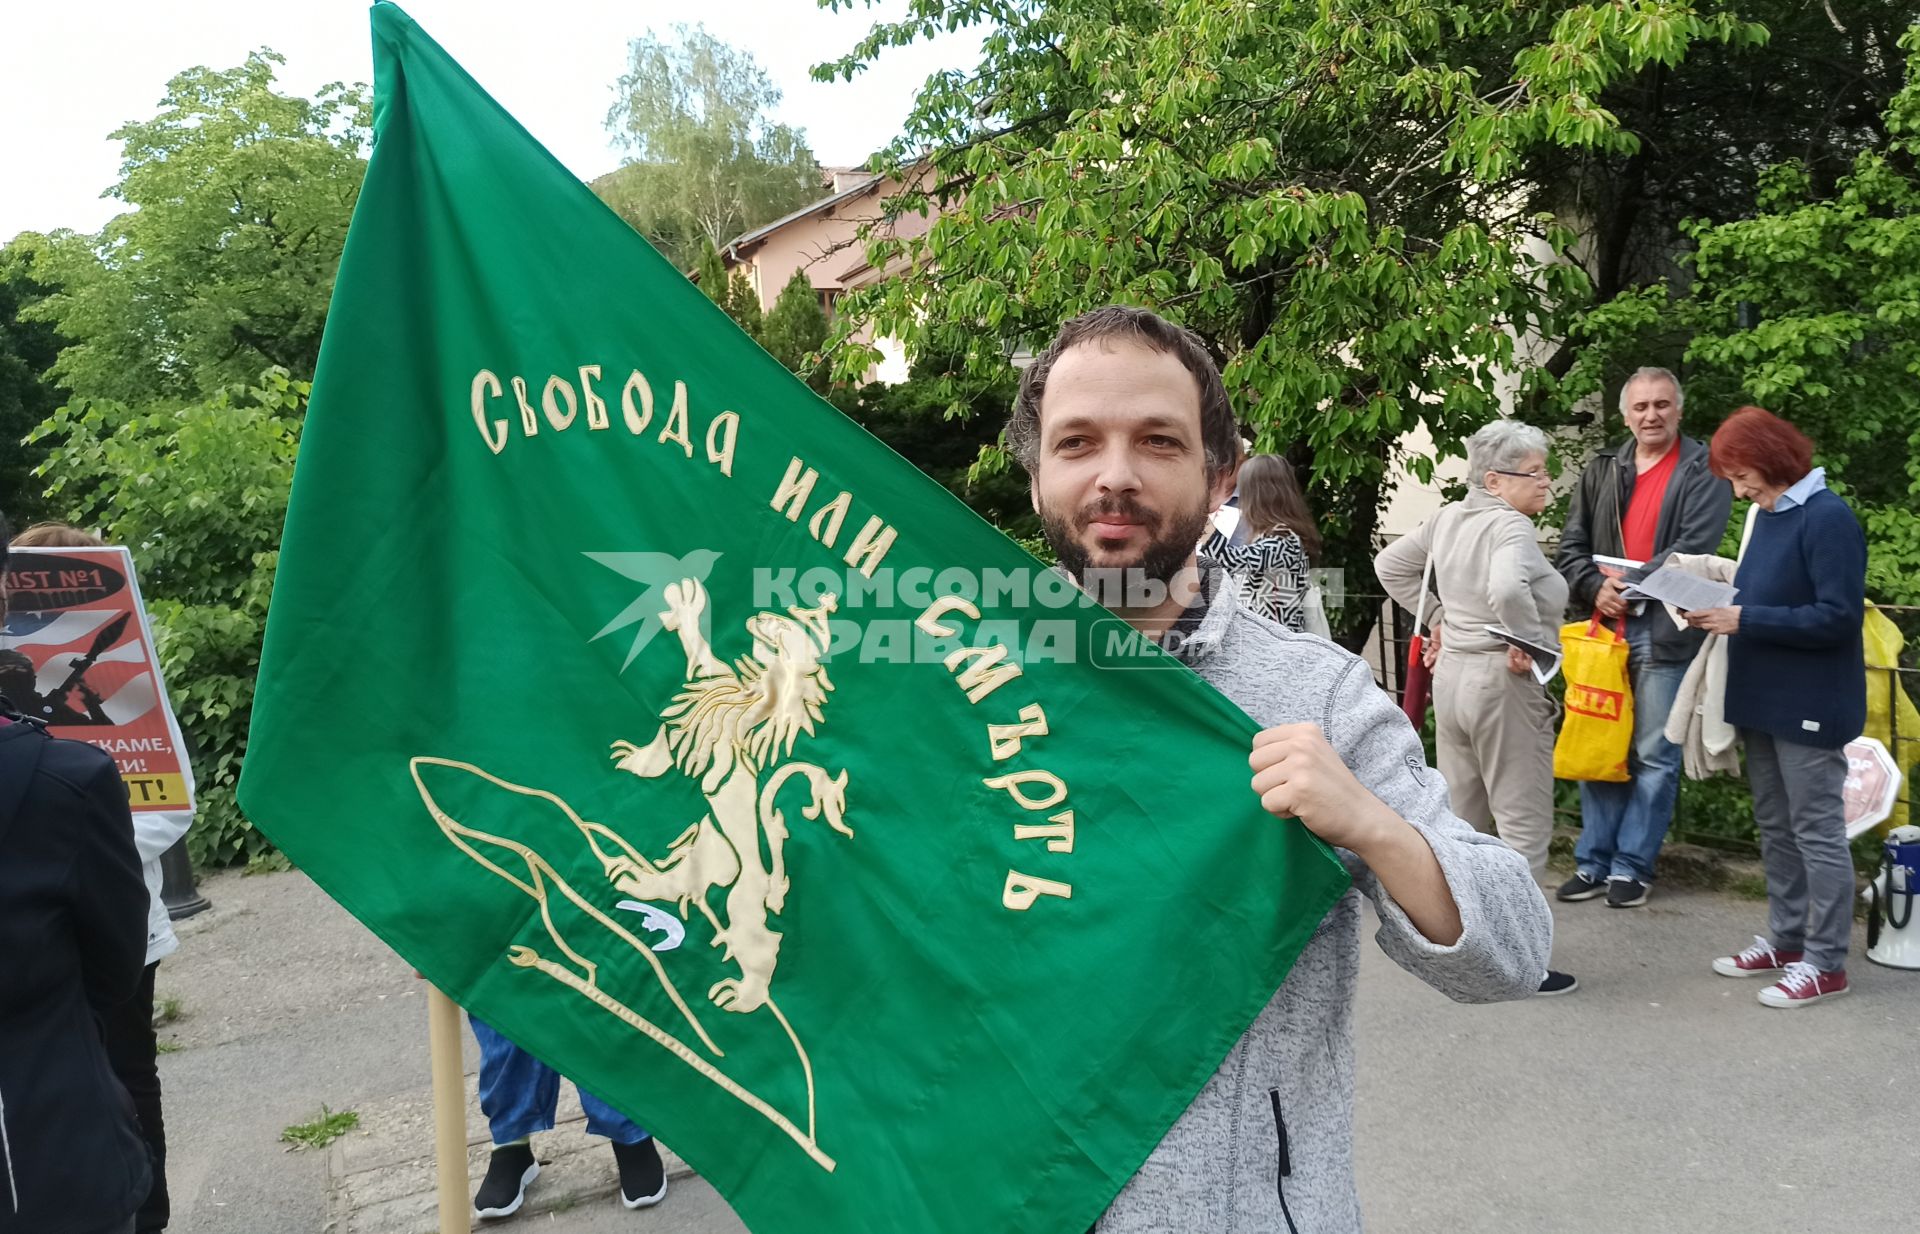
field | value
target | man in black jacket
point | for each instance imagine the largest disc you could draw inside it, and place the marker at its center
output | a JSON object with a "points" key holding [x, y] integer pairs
{"points": [[73, 943], [1649, 496]]}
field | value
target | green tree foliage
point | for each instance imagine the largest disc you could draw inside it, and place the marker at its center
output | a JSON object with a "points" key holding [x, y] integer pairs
{"points": [[1810, 308], [704, 161], [223, 266], [198, 493], [796, 328], [27, 396], [1704, 128], [922, 423], [743, 304], [733, 292], [710, 271], [1331, 192]]}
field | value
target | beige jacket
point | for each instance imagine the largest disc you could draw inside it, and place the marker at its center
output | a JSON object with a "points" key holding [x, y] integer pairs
{"points": [[1488, 570], [1698, 721]]}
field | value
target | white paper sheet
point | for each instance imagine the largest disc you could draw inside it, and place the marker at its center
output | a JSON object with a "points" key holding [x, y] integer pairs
{"points": [[1546, 660], [1687, 592]]}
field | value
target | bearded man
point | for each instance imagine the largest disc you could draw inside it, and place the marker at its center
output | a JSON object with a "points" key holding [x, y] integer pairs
{"points": [[1126, 434]]}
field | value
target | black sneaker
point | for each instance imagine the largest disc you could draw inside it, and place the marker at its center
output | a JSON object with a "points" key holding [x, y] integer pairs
{"points": [[505, 1187], [643, 1176], [1580, 887], [1558, 983], [1625, 893]]}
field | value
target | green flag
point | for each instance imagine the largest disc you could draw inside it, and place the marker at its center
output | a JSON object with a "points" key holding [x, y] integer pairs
{"points": [[704, 747]]}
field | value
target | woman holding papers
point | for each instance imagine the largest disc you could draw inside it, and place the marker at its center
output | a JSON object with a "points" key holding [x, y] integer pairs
{"points": [[1493, 722], [1796, 691]]}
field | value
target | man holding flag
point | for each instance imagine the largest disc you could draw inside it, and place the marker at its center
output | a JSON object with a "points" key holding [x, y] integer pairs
{"points": [[1126, 434], [830, 877]]}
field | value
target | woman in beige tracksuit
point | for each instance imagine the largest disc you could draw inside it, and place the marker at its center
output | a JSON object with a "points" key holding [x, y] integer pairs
{"points": [[1493, 723]]}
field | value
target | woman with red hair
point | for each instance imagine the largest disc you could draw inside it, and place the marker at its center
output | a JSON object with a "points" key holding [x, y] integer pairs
{"points": [[1796, 690]]}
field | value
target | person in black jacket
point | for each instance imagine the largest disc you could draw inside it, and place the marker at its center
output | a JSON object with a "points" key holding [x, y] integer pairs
{"points": [[1651, 495], [73, 941]]}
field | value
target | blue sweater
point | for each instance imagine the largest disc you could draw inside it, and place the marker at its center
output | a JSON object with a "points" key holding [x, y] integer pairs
{"points": [[1795, 668]]}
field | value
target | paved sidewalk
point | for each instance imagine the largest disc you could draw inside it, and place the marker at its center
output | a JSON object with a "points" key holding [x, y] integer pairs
{"points": [[287, 1004], [1658, 1095]]}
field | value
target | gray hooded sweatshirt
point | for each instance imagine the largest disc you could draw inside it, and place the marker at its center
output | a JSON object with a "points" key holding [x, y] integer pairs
{"points": [[1277, 1117]]}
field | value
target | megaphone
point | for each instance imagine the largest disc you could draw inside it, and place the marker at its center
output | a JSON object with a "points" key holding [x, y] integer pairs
{"points": [[1893, 936]]}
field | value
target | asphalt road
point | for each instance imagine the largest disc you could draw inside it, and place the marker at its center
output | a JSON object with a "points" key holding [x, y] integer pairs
{"points": [[1658, 1096]]}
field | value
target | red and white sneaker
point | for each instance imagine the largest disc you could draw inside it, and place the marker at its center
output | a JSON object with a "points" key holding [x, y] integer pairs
{"points": [[1759, 960], [1802, 985]]}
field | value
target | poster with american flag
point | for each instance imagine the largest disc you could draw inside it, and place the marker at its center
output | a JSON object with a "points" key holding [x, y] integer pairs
{"points": [[77, 653]]}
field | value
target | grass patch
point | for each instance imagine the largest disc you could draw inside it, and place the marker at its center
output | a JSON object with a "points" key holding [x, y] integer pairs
{"points": [[1748, 886], [322, 1131], [166, 1011], [167, 1047]]}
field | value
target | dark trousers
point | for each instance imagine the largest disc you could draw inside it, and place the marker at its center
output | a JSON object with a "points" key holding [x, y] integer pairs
{"points": [[133, 1048]]}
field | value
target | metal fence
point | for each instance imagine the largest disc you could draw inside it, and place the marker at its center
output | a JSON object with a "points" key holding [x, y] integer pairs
{"points": [[1386, 651]]}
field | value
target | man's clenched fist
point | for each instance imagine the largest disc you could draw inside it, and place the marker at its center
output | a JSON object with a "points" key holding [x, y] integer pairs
{"points": [[1297, 774]]}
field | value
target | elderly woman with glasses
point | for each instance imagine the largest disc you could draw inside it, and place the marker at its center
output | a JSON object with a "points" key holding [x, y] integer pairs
{"points": [[1493, 722]]}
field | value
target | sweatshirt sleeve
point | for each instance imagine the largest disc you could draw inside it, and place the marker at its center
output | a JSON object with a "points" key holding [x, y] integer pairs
{"points": [[1835, 558], [1506, 928]]}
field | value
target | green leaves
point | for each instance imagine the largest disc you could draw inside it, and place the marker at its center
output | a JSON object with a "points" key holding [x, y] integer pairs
{"points": [[1810, 308], [198, 493], [1288, 179], [1365, 206], [225, 264], [796, 328], [27, 350], [705, 160]]}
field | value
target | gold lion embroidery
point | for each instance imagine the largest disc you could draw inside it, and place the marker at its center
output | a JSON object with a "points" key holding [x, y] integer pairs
{"points": [[730, 729], [723, 728]]}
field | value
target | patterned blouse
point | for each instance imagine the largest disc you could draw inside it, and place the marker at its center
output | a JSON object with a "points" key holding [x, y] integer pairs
{"points": [[1275, 571]]}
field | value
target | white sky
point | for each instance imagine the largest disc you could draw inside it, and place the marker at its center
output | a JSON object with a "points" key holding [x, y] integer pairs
{"points": [[78, 69]]}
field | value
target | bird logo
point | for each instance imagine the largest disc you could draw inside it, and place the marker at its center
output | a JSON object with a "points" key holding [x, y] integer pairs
{"points": [[652, 571]]}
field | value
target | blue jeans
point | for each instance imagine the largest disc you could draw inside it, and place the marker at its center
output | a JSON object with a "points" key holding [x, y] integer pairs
{"points": [[519, 1094], [1623, 825]]}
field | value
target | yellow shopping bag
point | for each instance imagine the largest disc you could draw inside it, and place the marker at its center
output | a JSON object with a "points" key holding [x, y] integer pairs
{"points": [[1597, 733]]}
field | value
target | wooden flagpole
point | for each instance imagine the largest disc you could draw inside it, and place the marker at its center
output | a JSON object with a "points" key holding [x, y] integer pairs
{"points": [[449, 1112]]}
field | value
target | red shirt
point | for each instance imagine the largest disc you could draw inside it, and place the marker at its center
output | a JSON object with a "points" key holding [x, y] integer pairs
{"points": [[1643, 510]]}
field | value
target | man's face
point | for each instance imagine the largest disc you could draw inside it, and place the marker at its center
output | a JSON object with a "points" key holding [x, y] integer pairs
{"points": [[1653, 413], [1121, 482]]}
